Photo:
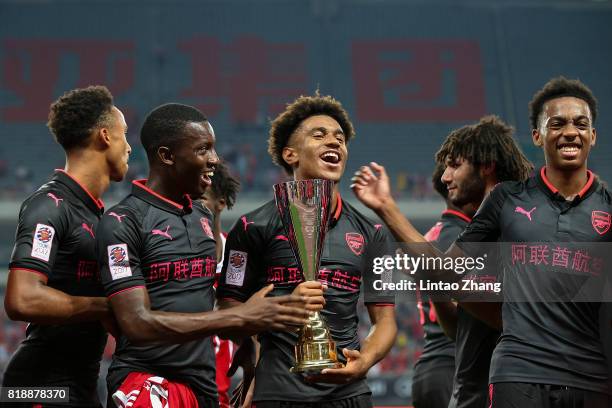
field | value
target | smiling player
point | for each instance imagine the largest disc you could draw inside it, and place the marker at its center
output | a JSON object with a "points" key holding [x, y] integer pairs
{"points": [[158, 260], [310, 141]]}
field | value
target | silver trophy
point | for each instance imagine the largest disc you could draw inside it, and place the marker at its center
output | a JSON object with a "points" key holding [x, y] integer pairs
{"points": [[304, 207]]}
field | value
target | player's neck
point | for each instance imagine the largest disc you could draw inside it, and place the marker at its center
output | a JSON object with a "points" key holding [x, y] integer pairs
{"points": [[89, 172], [568, 182], [165, 188], [468, 209]]}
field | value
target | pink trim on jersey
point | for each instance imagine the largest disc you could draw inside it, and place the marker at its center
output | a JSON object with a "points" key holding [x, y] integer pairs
{"points": [[125, 290], [457, 214], [142, 184], [434, 232], [231, 298], [98, 202], [338, 208], [589, 183], [32, 271]]}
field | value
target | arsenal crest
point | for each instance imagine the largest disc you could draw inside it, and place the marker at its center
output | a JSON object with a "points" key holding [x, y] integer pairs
{"points": [[601, 221], [206, 227], [355, 242]]}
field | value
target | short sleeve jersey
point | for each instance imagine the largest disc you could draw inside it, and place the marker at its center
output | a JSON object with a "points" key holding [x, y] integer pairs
{"points": [[56, 238], [442, 235], [546, 342], [168, 248], [257, 253]]}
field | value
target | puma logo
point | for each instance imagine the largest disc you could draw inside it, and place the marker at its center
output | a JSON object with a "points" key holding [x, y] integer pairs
{"points": [[526, 213], [246, 223], [55, 198], [117, 216], [88, 229], [162, 233]]}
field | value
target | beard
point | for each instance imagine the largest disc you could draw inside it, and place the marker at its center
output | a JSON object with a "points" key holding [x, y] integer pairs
{"points": [[472, 190]]}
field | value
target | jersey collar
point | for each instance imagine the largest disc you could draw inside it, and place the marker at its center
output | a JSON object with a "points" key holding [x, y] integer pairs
{"points": [[589, 187], [458, 214], [140, 190], [336, 215], [96, 205]]}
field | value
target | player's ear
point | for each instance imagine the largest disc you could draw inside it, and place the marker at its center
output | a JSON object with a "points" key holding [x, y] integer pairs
{"points": [[537, 137], [165, 155], [593, 136], [290, 156], [101, 137]]}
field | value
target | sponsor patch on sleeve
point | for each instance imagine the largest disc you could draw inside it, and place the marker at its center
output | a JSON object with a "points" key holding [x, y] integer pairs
{"points": [[42, 242], [236, 268], [118, 261]]}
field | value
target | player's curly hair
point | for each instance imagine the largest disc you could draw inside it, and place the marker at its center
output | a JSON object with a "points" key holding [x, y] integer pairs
{"points": [[557, 88], [489, 141], [75, 114], [302, 108], [164, 126], [225, 185]]}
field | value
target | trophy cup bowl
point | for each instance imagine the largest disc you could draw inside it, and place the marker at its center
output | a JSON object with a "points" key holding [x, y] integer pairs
{"points": [[304, 207]]}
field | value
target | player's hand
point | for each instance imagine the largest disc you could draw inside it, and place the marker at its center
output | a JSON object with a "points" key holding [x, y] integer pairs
{"points": [[370, 184], [243, 357], [242, 396], [261, 313], [355, 369], [313, 292]]}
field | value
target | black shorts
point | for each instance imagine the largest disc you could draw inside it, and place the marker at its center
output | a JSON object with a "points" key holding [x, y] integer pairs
{"points": [[523, 395], [432, 384], [358, 401]]}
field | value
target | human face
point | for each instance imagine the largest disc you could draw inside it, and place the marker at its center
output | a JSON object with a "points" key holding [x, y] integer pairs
{"points": [[212, 202], [566, 133], [195, 158], [119, 150], [464, 183], [317, 149]]}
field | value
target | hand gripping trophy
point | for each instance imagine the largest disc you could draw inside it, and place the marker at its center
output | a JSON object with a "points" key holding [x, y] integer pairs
{"points": [[304, 207]]}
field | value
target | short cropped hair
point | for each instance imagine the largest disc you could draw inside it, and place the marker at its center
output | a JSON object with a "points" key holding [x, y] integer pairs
{"points": [[75, 114], [558, 88], [164, 125], [302, 108], [487, 142]]}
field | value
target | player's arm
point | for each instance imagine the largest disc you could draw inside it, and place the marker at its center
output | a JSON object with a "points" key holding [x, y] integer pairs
{"points": [[371, 186], [120, 244], [28, 298], [42, 225], [373, 348], [243, 273], [141, 325], [446, 313], [488, 312], [382, 334]]}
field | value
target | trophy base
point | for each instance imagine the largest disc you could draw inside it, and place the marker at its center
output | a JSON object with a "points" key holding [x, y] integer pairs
{"points": [[315, 367]]}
